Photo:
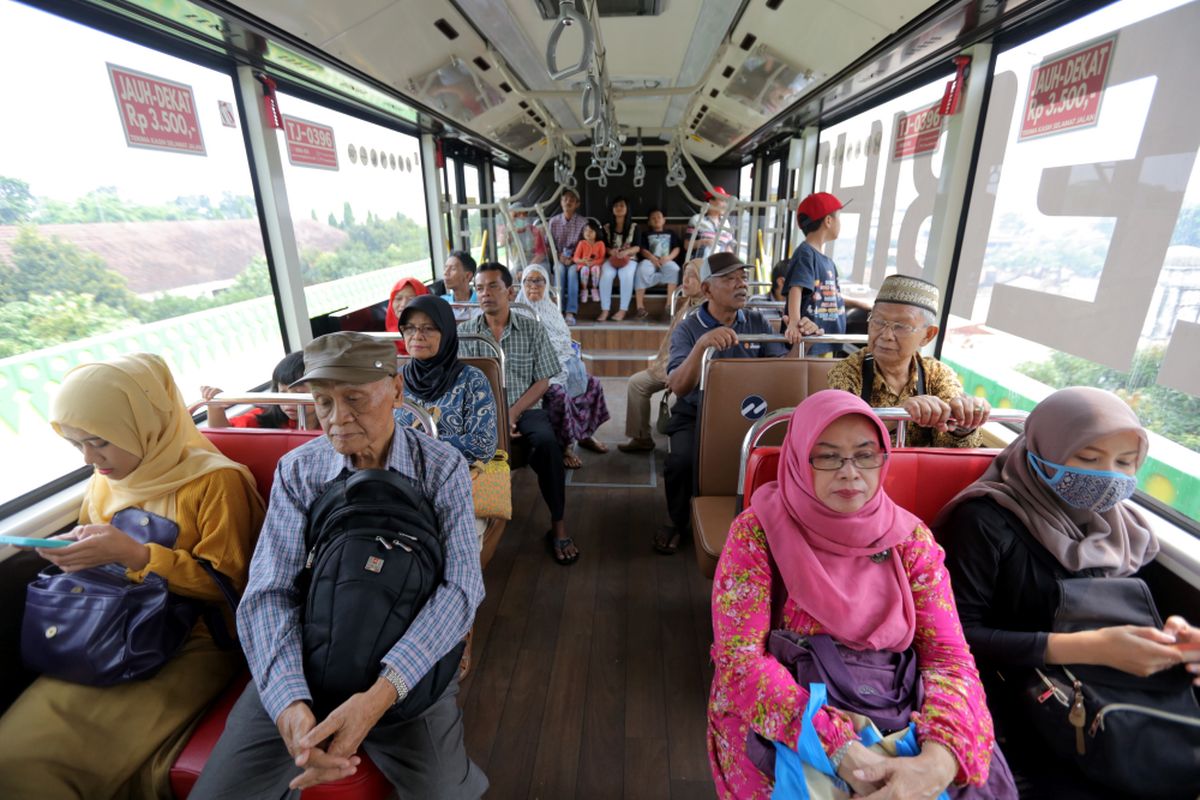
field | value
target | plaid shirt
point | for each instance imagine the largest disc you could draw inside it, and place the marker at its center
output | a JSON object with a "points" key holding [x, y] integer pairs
{"points": [[566, 233], [269, 614], [528, 355]]}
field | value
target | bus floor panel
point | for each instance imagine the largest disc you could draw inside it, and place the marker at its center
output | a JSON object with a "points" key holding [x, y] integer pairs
{"points": [[592, 681]]}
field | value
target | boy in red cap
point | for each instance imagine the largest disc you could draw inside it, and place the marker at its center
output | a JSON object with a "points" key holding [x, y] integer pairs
{"points": [[713, 232], [814, 295]]}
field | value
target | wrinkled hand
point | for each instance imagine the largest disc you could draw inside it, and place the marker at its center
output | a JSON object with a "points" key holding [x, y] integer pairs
{"points": [[343, 731], [928, 411], [721, 338], [858, 757], [96, 545], [209, 392], [922, 777], [294, 723], [1138, 650], [969, 412], [804, 327]]}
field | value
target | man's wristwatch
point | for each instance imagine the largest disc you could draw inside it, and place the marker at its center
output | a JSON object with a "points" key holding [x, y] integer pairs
{"points": [[397, 681]]}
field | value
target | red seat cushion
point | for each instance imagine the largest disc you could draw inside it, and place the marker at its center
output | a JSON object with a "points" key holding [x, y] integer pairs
{"points": [[367, 783], [920, 479], [258, 448]]}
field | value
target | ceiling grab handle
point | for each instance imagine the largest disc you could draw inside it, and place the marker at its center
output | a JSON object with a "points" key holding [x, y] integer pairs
{"points": [[639, 168], [592, 102], [568, 15]]}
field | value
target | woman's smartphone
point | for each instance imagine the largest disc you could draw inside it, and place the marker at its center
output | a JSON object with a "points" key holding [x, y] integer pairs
{"points": [[26, 541]]}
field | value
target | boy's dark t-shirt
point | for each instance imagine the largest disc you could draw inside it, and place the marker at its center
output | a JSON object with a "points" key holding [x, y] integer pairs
{"points": [[660, 243], [821, 298]]}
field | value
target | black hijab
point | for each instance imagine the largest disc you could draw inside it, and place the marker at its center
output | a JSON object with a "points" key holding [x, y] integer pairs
{"points": [[428, 380]]}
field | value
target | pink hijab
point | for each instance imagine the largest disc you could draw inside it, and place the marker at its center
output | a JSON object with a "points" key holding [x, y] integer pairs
{"points": [[824, 555]]}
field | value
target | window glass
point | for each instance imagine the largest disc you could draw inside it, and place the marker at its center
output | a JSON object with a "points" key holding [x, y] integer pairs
{"points": [[500, 190], [765, 253], [118, 239], [745, 194], [884, 165], [357, 202], [1081, 263], [474, 220]]}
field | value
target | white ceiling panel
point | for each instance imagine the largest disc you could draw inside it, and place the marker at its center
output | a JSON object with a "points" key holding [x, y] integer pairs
{"points": [[890, 14], [315, 22]]}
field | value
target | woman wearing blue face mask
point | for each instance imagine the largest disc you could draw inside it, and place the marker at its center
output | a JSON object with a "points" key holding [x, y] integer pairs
{"points": [[1049, 509]]}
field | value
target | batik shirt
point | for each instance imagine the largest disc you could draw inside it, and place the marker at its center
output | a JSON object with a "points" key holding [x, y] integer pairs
{"points": [[465, 415]]}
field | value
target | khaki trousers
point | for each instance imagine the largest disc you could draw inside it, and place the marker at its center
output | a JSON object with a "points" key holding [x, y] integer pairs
{"points": [[640, 389]]}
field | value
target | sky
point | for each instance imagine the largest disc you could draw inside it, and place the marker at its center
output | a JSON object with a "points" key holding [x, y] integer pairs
{"points": [[63, 133]]}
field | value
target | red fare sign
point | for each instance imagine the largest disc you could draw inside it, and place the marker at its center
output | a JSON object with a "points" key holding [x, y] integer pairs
{"points": [[918, 133], [1065, 90], [157, 114], [310, 144]]}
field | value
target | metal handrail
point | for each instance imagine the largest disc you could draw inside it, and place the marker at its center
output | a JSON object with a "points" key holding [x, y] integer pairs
{"points": [[297, 399], [743, 338], [568, 15], [782, 415], [671, 303], [392, 336], [859, 339]]}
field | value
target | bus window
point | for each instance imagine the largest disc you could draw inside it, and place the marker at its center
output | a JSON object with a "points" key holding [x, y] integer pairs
{"points": [[358, 205], [884, 164], [1081, 262], [127, 223]]}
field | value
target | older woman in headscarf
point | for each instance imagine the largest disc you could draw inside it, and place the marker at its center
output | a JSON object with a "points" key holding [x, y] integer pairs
{"points": [[575, 399], [127, 419], [399, 298], [457, 395], [1051, 508], [824, 556]]}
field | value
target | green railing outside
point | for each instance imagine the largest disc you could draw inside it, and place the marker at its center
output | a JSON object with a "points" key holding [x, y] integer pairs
{"points": [[1159, 479], [190, 344]]}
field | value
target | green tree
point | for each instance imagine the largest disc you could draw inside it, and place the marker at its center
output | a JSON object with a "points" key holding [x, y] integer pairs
{"points": [[333, 223], [1168, 412], [16, 201], [44, 320], [347, 215], [43, 266]]}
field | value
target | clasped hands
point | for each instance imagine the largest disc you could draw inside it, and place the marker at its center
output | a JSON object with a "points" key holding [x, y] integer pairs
{"points": [[875, 777], [964, 413]]}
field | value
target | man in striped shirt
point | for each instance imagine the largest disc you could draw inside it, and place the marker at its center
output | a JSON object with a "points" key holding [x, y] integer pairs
{"points": [[272, 739]]}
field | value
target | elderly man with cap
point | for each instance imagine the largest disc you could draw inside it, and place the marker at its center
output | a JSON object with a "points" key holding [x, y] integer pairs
{"points": [[891, 372], [718, 322], [272, 740], [812, 287]]}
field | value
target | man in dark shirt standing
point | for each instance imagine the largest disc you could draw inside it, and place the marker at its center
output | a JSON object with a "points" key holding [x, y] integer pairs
{"points": [[813, 290], [716, 323]]}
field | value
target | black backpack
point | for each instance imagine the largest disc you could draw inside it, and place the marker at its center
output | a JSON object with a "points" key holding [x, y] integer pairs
{"points": [[375, 557]]}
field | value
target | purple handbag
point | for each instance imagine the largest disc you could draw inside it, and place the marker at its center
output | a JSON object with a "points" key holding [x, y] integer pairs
{"points": [[881, 685], [97, 628]]}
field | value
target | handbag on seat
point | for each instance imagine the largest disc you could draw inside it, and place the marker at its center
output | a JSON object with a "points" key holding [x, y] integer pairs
{"points": [[491, 487], [98, 628]]}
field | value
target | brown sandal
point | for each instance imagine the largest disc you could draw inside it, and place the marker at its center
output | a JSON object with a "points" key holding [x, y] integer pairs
{"points": [[593, 444], [666, 541], [571, 461]]}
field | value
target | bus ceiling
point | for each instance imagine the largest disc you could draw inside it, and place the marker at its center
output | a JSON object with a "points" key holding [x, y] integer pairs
{"points": [[720, 77]]}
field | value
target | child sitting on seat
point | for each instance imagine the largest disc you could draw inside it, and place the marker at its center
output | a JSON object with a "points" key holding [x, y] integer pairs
{"points": [[589, 255], [286, 371]]}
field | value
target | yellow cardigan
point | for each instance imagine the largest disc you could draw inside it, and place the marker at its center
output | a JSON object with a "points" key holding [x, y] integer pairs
{"points": [[218, 521]]}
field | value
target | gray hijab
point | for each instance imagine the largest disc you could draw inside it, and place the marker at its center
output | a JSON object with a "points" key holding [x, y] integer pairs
{"points": [[1118, 541]]}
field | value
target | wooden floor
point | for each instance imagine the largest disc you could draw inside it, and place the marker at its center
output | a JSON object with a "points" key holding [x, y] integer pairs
{"points": [[591, 681]]}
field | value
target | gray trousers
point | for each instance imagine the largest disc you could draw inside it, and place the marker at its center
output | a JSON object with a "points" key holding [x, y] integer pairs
{"points": [[641, 387], [422, 758]]}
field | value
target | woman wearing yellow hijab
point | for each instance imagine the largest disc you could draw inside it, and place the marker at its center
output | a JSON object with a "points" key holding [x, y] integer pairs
{"points": [[128, 420]]}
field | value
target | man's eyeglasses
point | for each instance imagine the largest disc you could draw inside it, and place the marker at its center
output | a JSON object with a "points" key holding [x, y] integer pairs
{"points": [[897, 328], [412, 330], [831, 462]]}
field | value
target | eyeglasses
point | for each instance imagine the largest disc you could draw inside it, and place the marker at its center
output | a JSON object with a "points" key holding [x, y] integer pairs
{"points": [[897, 328], [832, 462], [425, 330], [535, 282]]}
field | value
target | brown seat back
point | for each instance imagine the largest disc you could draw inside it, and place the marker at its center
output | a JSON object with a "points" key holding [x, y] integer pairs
{"points": [[781, 382], [490, 367]]}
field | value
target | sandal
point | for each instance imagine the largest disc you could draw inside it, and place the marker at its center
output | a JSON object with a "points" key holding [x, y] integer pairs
{"points": [[603, 317], [643, 313], [619, 316], [666, 541], [569, 318], [592, 444], [558, 547], [571, 461]]}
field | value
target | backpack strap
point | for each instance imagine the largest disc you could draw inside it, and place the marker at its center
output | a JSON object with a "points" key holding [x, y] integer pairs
{"points": [[212, 615], [868, 377]]}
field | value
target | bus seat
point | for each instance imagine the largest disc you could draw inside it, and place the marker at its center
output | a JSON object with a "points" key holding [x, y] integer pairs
{"points": [[780, 382], [368, 783], [258, 448], [490, 367]]}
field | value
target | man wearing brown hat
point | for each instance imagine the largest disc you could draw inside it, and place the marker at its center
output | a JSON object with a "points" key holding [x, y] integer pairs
{"points": [[716, 323], [272, 739], [891, 372]]}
